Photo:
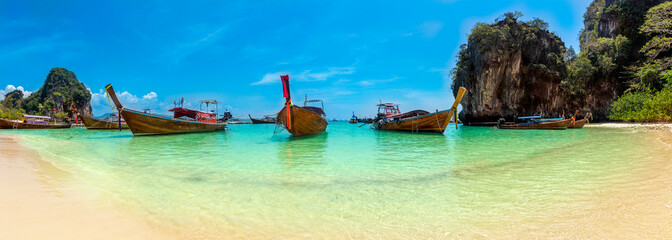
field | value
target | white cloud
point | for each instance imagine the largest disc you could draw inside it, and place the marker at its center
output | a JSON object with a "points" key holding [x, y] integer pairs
{"points": [[101, 104], [269, 78], [429, 29], [10, 88], [370, 82], [149, 96], [305, 76]]}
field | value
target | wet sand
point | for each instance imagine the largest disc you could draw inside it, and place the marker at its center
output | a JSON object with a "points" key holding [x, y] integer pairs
{"points": [[40, 201]]}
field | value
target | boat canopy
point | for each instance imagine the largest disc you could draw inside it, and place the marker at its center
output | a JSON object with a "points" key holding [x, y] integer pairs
{"points": [[35, 116], [413, 113], [388, 109], [551, 119], [529, 117], [185, 112], [387, 105], [315, 110], [210, 101]]}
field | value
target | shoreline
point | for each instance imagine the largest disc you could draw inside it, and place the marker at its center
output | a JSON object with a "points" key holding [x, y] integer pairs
{"points": [[40, 201], [635, 126]]}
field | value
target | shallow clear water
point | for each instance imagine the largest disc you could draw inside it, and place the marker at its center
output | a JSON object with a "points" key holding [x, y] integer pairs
{"points": [[357, 182]]}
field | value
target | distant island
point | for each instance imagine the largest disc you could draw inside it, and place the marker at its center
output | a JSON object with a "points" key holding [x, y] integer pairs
{"points": [[514, 68], [60, 91]]}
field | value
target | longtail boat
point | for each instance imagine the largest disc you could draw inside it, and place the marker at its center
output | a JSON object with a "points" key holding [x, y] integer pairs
{"points": [[390, 118], [142, 123], [266, 120], [110, 123], [537, 122], [301, 121], [31, 122]]}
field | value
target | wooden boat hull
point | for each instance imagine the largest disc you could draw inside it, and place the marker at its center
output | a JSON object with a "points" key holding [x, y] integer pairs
{"points": [[8, 124], [578, 123], [260, 121], [303, 122], [97, 124], [555, 125], [142, 123], [433, 122]]}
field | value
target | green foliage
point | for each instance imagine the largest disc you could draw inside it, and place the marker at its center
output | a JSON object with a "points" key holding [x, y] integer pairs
{"points": [[49, 104], [658, 26], [11, 113], [613, 38], [591, 21], [60, 89], [647, 78], [667, 79], [13, 99], [486, 36], [600, 59], [607, 53], [580, 72], [60, 115], [538, 23], [512, 15], [570, 54], [643, 106]]}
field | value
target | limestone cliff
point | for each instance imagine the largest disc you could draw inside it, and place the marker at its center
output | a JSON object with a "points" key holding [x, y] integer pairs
{"points": [[59, 91], [513, 68], [510, 68]]}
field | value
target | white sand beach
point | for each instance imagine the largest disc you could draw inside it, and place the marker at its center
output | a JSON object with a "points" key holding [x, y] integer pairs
{"points": [[40, 201]]}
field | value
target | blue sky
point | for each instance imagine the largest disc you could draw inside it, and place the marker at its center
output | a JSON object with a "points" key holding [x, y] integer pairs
{"points": [[348, 53]]}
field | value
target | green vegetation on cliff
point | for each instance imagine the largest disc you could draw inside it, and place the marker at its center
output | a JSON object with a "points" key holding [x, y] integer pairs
{"points": [[649, 94], [510, 68], [59, 91], [645, 105]]}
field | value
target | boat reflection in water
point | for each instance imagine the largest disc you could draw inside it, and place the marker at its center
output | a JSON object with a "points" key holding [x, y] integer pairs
{"points": [[306, 151]]}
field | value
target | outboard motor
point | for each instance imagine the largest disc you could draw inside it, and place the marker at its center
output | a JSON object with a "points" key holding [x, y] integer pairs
{"points": [[500, 122]]}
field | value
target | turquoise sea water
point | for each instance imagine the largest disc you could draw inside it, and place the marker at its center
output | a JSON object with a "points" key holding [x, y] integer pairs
{"points": [[358, 182]]}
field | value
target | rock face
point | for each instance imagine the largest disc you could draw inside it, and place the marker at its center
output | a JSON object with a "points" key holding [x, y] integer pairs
{"points": [[59, 91], [514, 68], [510, 68]]}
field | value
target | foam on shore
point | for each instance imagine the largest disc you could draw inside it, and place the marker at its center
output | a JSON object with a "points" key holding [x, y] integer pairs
{"points": [[647, 126]]}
